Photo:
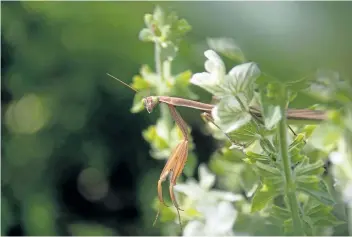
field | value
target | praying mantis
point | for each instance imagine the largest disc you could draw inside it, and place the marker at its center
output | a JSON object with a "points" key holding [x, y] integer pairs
{"points": [[176, 162]]}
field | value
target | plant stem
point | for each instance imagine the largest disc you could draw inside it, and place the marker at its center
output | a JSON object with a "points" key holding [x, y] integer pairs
{"points": [[290, 188], [158, 66], [162, 71]]}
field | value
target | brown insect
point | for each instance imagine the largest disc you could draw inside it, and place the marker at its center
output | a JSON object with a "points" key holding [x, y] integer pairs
{"points": [[176, 162]]}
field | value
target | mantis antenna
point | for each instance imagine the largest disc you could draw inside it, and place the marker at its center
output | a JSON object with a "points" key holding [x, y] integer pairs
{"points": [[122, 82]]}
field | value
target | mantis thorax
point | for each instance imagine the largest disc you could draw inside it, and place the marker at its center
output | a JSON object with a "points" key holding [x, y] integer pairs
{"points": [[150, 102]]}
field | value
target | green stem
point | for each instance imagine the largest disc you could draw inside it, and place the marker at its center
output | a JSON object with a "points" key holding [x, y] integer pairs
{"points": [[159, 67], [167, 69], [162, 72], [290, 188]]}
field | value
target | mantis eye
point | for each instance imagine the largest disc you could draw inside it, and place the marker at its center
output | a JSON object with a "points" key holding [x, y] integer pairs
{"points": [[147, 105]]}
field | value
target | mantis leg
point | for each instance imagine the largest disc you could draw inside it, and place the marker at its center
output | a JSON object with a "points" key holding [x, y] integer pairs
{"points": [[170, 164], [176, 172], [173, 166]]}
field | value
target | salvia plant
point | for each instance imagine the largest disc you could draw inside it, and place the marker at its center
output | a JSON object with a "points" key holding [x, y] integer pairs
{"points": [[271, 171]]}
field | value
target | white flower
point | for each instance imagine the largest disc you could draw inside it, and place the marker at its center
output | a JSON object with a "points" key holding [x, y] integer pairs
{"points": [[239, 81], [235, 90], [342, 170], [212, 79], [215, 206], [347, 193], [201, 192], [214, 64], [336, 158], [219, 221], [229, 114]]}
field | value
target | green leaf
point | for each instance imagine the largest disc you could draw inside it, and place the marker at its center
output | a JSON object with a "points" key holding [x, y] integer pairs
{"points": [[183, 26], [227, 47], [304, 168], [268, 146], [319, 192], [267, 170], [309, 129], [183, 78], [296, 158], [253, 157], [262, 197], [307, 179], [315, 208], [280, 213], [166, 27], [321, 215], [265, 79], [138, 105], [139, 83], [151, 136], [245, 134], [295, 150], [288, 226], [326, 220], [151, 78], [226, 154], [272, 116], [276, 182], [162, 140], [308, 225], [298, 142], [180, 85], [269, 104], [179, 30], [229, 115]]}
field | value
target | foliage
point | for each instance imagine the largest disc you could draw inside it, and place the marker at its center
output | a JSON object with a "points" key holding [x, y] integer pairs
{"points": [[73, 158], [288, 188]]}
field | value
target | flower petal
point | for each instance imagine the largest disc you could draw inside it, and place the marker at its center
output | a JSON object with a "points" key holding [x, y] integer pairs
{"points": [[220, 218], [229, 115], [243, 77], [191, 189], [194, 228], [214, 62], [202, 78], [226, 196], [212, 80], [210, 83], [206, 178]]}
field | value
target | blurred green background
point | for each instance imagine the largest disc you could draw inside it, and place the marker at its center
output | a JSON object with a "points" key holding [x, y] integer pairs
{"points": [[73, 158]]}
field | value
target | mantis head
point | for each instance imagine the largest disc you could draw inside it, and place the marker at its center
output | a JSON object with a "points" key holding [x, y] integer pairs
{"points": [[150, 102]]}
